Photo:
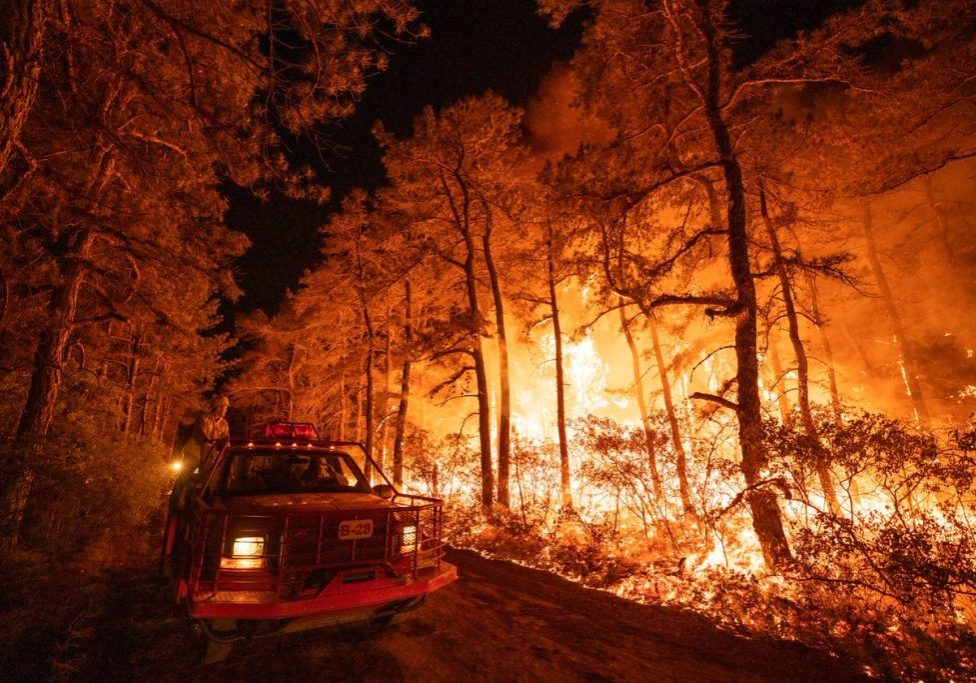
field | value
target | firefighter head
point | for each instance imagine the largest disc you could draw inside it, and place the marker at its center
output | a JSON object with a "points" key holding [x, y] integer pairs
{"points": [[219, 404]]}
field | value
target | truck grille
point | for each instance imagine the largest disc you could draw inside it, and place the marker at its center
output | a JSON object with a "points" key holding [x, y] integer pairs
{"points": [[303, 552]]}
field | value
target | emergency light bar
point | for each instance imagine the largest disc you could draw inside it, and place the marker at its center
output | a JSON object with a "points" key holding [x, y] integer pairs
{"points": [[290, 430]]}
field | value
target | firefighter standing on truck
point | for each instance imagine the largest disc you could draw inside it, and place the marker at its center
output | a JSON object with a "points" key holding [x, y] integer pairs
{"points": [[211, 426], [209, 429]]}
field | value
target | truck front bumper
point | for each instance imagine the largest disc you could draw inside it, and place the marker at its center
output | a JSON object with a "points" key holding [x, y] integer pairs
{"points": [[339, 596]]}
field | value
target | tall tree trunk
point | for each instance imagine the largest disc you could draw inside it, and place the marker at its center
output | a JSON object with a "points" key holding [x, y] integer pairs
{"points": [[401, 419], [766, 516], [821, 324], [504, 394], [476, 352], [779, 377], [168, 423], [290, 375], [642, 406], [358, 409], [462, 218], [22, 26], [159, 417], [150, 411], [835, 402], [802, 364], [149, 400], [906, 356], [130, 394], [564, 480], [145, 405], [368, 376], [681, 461], [50, 354], [49, 357], [343, 401], [387, 392], [45, 382]]}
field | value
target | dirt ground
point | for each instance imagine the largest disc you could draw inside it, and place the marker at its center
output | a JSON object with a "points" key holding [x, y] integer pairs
{"points": [[498, 622]]}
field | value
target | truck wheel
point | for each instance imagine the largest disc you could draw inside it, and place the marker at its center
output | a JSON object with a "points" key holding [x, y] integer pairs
{"points": [[213, 647], [395, 615], [215, 652]]}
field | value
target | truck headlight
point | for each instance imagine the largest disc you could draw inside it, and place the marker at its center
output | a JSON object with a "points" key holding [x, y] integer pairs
{"points": [[408, 539], [247, 552]]}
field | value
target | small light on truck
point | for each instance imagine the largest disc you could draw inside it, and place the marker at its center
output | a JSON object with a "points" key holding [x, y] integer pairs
{"points": [[177, 466], [248, 553], [408, 539]]}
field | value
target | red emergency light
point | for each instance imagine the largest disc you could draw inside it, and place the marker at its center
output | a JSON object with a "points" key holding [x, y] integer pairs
{"points": [[291, 430]]}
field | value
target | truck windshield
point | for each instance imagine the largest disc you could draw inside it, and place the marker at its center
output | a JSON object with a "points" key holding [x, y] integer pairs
{"points": [[257, 472]]}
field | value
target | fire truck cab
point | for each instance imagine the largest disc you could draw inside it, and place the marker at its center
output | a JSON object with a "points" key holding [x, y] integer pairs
{"points": [[284, 532]]}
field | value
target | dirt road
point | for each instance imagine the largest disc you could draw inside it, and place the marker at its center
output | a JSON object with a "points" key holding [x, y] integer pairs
{"points": [[499, 622]]}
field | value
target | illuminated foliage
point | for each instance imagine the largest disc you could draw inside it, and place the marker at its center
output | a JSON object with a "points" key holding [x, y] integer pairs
{"points": [[735, 248], [125, 118]]}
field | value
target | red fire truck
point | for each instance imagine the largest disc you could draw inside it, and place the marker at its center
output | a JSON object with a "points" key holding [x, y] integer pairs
{"points": [[284, 532]]}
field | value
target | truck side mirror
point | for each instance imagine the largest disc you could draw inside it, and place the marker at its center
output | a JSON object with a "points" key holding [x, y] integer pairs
{"points": [[384, 491]]}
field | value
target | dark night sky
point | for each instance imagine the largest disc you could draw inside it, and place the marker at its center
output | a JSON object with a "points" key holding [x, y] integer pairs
{"points": [[475, 45]]}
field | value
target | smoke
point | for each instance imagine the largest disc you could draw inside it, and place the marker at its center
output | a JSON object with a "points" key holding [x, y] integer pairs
{"points": [[556, 125], [926, 253]]}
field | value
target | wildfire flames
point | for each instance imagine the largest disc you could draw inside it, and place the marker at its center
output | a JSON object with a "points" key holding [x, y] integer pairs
{"points": [[692, 323]]}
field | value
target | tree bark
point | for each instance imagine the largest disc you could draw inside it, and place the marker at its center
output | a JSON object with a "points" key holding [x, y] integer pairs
{"points": [[343, 400], [368, 377], [642, 406], [484, 415], [130, 396], [835, 402], [782, 400], [906, 356], [802, 364], [166, 420], [387, 392], [681, 461], [22, 26], [149, 400], [45, 382], [564, 479], [476, 350], [358, 408], [35, 418], [766, 515], [504, 394], [49, 357], [401, 419], [290, 374], [159, 416]]}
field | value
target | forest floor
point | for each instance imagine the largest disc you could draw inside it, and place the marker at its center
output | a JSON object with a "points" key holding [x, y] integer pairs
{"points": [[498, 622]]}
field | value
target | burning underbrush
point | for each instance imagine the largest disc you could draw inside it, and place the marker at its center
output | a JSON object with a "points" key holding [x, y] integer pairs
{"points": [[888, 579]]}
